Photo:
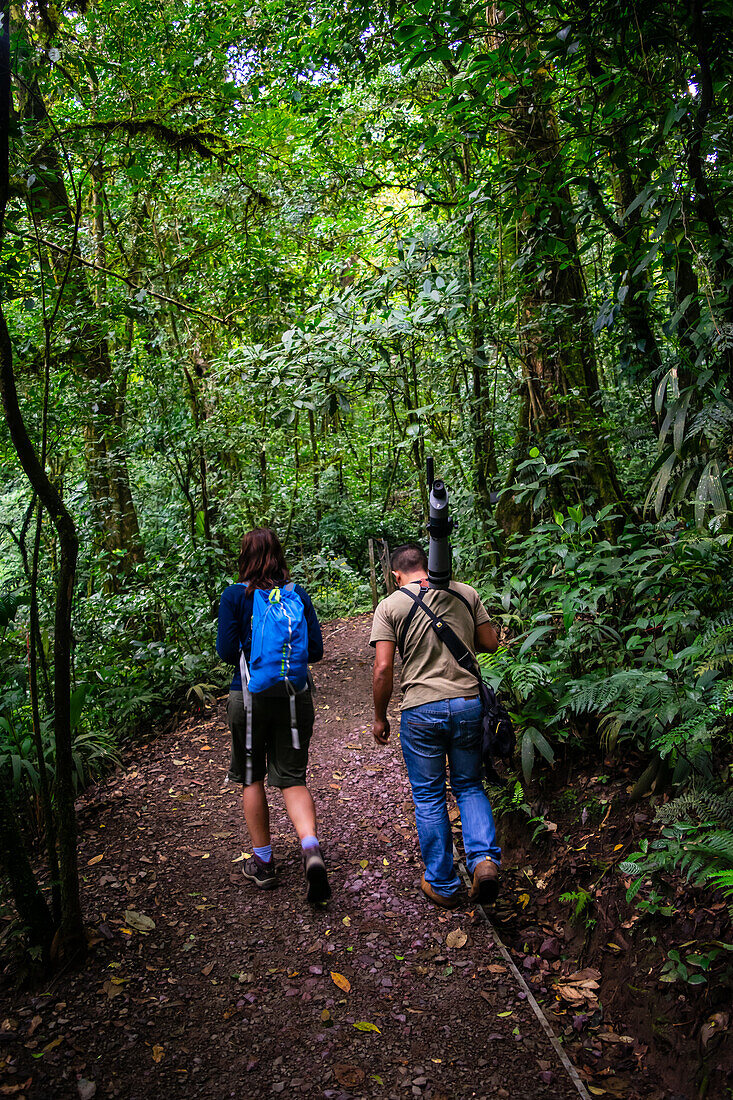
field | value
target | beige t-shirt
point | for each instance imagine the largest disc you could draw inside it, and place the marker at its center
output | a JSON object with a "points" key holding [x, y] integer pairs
{"points": [[429, 671]]}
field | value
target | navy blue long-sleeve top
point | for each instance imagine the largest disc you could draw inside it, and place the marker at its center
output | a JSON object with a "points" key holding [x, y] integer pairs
{"points": [[235, 628]]}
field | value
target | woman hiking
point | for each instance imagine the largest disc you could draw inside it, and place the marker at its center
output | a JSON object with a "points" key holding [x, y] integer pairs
{"points": [[279, 745]]}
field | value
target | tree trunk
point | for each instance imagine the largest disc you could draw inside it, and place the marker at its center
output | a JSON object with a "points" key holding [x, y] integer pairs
{"points": [[72, 927], [556, 345], [107, 474], [29, 900]]}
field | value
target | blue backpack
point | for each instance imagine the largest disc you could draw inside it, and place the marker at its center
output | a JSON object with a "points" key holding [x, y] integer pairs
{"points": [[279, 640], [279, 654]]}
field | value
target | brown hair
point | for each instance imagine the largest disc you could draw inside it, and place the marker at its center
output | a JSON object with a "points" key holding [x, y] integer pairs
{"points": [[262, 560], [408, 558]]}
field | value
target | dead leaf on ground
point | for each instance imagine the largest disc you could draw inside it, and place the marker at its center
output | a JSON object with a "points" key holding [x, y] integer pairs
{"points": [[158, 1053], [208, 968], [348, 1076], [718, 1022], [341, 981], [139, 921], [496, 968], [111, 988], [95, 859], [580, 988], [455, 939], [365, 1025], [35, 1022], [13, 1090]]}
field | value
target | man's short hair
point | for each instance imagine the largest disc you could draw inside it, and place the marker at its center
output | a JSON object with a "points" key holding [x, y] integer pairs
{"points": [[408, 558]]}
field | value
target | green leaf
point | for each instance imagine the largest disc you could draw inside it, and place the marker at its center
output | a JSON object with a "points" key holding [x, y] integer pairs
{"points": [[531, 638], [365, 1025], [77, 703]]}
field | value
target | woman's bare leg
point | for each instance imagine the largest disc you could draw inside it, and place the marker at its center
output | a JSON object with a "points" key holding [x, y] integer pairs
{"points": [[257, 813], [301, 810]]}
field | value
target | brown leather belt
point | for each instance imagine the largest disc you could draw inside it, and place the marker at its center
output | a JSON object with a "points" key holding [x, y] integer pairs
{"points": [[468, 698]]}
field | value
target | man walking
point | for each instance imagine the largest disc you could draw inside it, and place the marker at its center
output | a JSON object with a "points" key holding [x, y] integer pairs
{"points": [[441, 716]]}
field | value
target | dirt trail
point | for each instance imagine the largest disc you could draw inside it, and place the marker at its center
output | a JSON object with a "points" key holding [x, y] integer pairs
{"points": [[231, 994]]}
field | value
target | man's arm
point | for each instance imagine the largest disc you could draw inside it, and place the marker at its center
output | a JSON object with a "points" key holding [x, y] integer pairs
{"points": [[382, 684], [485, 639]]}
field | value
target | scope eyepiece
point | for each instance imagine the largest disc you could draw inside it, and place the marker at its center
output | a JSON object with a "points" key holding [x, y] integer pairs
{"points": [[439, 490]]}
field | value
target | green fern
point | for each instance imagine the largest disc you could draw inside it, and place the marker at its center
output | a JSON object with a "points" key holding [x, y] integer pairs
{"points": [[701, 804], [722, 880]]}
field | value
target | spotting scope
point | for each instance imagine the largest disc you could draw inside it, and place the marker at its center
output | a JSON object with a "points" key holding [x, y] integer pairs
{"points": [[439, 529]]}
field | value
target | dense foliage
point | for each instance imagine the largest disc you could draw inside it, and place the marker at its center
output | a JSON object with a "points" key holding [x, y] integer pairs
{"points": [[255, 267]]}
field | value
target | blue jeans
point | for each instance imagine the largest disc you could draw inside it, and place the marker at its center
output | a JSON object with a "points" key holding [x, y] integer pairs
{"points": [[429, 733]]}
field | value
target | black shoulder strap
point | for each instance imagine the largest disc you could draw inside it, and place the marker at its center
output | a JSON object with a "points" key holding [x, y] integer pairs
{"points": [[460, 652], [410, 616], [458, 596]]}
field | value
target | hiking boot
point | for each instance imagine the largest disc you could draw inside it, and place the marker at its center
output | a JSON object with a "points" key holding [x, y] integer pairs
{"points": [[485, 885], [261, 874], [315, 876], [445, 901]]}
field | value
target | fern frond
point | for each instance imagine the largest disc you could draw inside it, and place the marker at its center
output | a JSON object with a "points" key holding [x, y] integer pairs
{"points": [[700, 805]]}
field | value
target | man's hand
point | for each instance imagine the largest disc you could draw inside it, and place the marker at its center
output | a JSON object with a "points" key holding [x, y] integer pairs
{"points": [[380, 729]]}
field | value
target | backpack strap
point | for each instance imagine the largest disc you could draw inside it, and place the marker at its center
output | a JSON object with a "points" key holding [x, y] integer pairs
{"points": [[410, 615], [458, 650], [247, 698]]}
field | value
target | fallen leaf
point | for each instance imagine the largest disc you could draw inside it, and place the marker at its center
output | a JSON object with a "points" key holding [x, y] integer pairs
{"points": [[53, 1044], [502, 1015], [95, 859], [524, 900], [365, 1025], [497, 968], [139, 921], [455, 939], [111, 989], [35, 1022], [341, 981], [363, 863], [12, 1090], [347, 921], [325, 1015], [158, 1053], [348, 1076], [208, 968], [717, 1022]]}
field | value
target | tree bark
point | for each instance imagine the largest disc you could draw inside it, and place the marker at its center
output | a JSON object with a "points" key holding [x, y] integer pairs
{"points": [[107, 474], [29, 900], [72, 936], [556, 345]]}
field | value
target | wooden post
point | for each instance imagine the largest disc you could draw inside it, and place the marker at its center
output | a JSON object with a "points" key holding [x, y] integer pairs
{"points": [[384, 559], [373, 575]]}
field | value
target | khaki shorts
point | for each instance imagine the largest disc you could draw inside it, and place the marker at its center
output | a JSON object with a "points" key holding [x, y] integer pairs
{"points": [[272, 743]]}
